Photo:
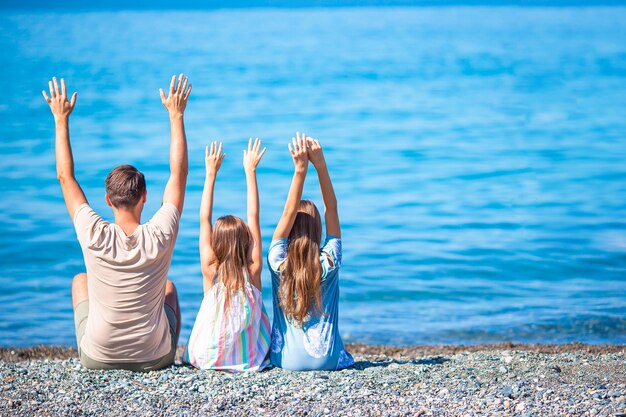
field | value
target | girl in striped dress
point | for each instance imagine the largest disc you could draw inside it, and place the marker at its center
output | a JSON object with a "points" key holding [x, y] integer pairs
{"points": [[232, 330]]}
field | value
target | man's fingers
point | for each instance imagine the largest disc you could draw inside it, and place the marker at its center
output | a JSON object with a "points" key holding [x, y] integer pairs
{"points": [[182, 90], [219, 151], [52, 95], [290, 150], [180, 80], [295, 143], [45, 96], [257, 145], [172, 84], [206, 151], [188, 92], [56, 85], [162, 94], [262, 152], [249, 144], [73, 100], [212, 148], [62, 86]]}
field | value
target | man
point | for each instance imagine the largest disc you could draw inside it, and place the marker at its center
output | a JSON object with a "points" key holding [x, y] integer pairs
{"points": [[126, 311]]}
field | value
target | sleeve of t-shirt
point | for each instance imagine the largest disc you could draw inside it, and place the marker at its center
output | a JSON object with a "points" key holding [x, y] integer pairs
{"points": [[86, 223], [277, 253], [331, 255], [165, 221]]}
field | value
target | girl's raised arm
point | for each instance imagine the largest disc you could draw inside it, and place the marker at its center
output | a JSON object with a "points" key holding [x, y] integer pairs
{"points": [[331, 215], [298, 151], [213, 161], [251, 159]]}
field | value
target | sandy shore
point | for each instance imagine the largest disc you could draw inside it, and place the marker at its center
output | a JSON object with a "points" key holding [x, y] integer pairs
{"points": [[494, 380]]}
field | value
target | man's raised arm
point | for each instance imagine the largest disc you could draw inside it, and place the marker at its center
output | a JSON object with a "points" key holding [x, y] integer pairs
{"points": [[61, 109], [175, 103]]}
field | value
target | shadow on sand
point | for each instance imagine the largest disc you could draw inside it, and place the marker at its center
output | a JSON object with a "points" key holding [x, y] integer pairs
{"points": [[436, 360]]}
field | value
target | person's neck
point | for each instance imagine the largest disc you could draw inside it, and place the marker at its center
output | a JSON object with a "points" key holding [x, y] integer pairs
{"points": [[128, 220]]}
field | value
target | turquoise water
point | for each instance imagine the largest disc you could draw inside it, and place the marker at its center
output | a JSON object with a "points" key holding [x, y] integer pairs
{"points": [[477, 154]]}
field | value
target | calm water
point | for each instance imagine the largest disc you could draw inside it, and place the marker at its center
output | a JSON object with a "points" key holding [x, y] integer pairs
{"points": [[478, 156]]}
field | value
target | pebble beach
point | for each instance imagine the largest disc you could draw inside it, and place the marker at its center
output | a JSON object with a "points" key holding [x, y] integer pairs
{"points": [[493, 380]]}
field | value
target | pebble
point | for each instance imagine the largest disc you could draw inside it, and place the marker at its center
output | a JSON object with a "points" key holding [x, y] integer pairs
{"points": [[507, 391], [464, 384]]}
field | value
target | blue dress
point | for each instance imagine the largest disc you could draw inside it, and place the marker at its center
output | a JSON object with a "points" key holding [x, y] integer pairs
{"points": [[316, 345]]}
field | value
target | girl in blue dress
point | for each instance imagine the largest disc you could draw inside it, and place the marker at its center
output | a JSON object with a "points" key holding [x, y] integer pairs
{"points": [[305, 273]]}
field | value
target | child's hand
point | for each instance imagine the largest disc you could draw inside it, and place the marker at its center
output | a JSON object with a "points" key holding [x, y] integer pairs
{"points": [[59, 105], [299, 152], [214, 158], [176, 101], [252, 157], [316, 155]]}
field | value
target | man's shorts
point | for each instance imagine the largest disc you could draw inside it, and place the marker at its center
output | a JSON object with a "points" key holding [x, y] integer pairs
{"points": [[80, 321]]}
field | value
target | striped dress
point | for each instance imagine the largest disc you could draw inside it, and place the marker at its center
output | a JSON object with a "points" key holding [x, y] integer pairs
{"points": [[233, 337]]}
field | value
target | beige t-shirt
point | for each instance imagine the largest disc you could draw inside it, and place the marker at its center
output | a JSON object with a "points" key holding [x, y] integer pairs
{"points": [[126, 278]]}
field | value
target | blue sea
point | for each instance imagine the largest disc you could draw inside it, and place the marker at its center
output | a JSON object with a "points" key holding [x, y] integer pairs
{"points": [[478, 155]]}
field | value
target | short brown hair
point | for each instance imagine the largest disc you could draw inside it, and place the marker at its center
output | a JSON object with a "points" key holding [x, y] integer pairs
{"points": [[125, 186]]}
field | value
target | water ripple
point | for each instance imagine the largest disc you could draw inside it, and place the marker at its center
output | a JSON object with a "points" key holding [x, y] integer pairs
{"points": [[477, 154]]}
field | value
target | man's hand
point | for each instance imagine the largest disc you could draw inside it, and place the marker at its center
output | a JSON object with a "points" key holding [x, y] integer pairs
{"points": [[175, 104], [61, 109], [213, 158], [252, 156], [176, 101], [315, 153], [299, 152], [59, 105]]}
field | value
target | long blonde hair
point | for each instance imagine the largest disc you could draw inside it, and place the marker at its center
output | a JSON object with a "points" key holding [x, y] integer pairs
{"points": [[299, 289], [232, 243]]}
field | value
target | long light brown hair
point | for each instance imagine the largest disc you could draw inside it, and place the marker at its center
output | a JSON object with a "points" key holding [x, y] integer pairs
{"points": [[299, 289], [232, 243]]}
